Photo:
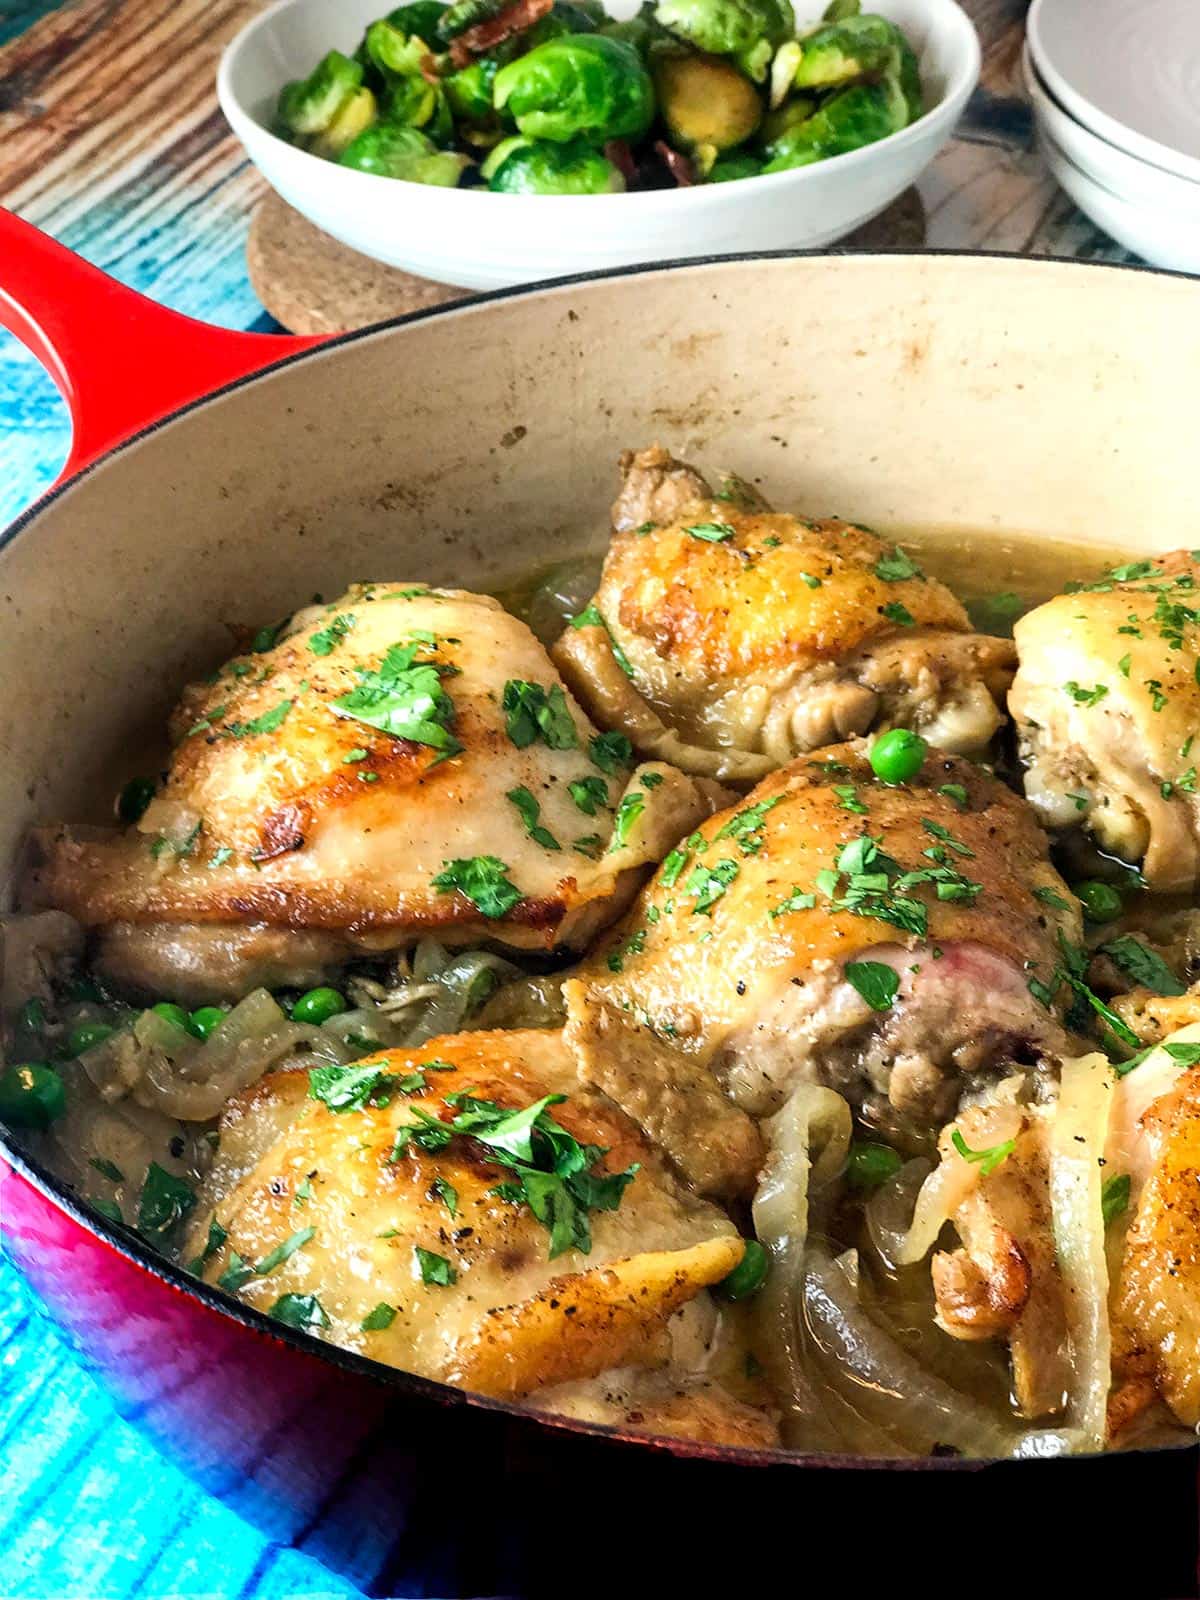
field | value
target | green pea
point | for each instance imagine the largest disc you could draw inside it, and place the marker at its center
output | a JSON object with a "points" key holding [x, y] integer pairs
{"points": [[173, 1013], [748, 1276], [86, 1034], [134, 798], [205, 1021], [896, 756], [318, 1005], [869, 1164], [31, 1095], [1101, 902]]}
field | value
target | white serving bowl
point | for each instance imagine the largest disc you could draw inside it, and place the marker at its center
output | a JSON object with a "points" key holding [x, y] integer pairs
{"points": [[1121, 174], [1129, 70], [1163, 238], [481, 240]]}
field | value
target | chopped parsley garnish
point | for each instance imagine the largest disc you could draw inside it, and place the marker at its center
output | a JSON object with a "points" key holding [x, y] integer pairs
{"points": [[630, 809], [610, 751], [1123, 665], [847, 796], [483, 880], [299, 1311], [798, 900], [1085, 697], [745, 826], [434, 1269], [589, 794], [589, 845], [632, 946], [897, 567], [1157, 698], [1051, 897], [269, 722], [875, 981], [1071, 971], [404, 697], [534, 712], [673, 864], [325, 642], [107, 1169], [900, 615], [282, 1251], [711, 532], [220, 857], [944, 834], [164, 1202], [443, 1190], [530, 811], [956, 793], [381, 1317], [590, 617], [217, 1236], [708, 884], [1114, 1197], [809, 580], [553, 1174], [988, 1160], [346, 1088], [1143, 965]]}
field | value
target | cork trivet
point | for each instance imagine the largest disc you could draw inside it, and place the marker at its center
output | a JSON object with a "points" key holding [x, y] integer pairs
{"points": [[312, 284]]}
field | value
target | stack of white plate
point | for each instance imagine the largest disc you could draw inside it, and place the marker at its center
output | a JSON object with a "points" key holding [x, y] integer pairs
{"points": [[1116, 93]]}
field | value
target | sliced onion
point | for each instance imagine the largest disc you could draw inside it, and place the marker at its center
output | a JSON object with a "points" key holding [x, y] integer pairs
{"points": [[881, 1380], [940, 1196], [428, 959], [1080, 1128], [808, 1140], [464, 984]]}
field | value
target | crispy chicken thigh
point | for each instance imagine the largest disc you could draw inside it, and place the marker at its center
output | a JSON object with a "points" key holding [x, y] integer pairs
{"points": [[1107, 705], [880, 940], [727, 639], [452, 1275], [403, 761]]}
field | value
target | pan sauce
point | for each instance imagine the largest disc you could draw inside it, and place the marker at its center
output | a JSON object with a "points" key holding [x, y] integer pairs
{"points": [[739, 1356]]}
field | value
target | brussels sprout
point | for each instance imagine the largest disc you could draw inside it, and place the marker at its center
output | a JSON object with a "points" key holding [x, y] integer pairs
{"points": [[541, 167], [706, 101], [395, 53], [841, 52], [776, 124], [741, 165], [421, 18], [581, 84], [309, 106], [847, 120], [410, 102], [749, 30], [393, 151], [469, 92], [464, 14], [839, 10], [359, 113]]}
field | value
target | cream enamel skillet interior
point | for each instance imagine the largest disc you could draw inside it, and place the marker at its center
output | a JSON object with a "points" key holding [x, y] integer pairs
{"points": [[858, 1016]]}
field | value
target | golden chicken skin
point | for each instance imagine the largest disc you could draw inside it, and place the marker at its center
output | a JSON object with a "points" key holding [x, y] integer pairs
{"points": [[466, 1211], [727, 639], [404, 761], [900, 944], [1106, 704]]}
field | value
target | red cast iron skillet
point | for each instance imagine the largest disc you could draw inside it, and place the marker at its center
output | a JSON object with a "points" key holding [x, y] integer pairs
{"points": [[212, 468]]}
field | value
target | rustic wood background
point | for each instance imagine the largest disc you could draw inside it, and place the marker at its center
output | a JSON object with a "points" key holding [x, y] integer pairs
{"points": [[111, 139]]}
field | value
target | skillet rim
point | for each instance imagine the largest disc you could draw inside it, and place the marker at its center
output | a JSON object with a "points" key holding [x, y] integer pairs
{"points": [[125, 1242]]}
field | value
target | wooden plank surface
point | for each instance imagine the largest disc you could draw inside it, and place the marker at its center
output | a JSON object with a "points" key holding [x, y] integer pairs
{"points": [[110, 138]]}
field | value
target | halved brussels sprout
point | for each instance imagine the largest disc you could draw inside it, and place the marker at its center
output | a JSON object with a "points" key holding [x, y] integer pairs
{"points": [[469, 91], [739, 165], [848, 120], [411, 102], [776, 124], [310, 105], [749, 30], [582, 84], [357, 114], [421, 18], [392, 151], [838, 53], [706, 101], [537, 166], [395, 53]]}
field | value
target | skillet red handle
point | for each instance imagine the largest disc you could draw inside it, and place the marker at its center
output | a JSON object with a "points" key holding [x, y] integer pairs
{"points": [[120, 360]]}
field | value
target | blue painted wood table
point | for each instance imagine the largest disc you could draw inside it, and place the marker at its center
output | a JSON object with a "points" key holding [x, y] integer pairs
{"points": [[110, 138]]}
